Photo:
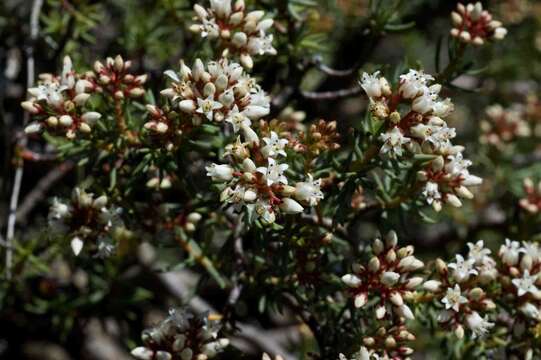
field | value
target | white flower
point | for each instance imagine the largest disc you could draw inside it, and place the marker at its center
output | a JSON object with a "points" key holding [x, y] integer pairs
{"points": [[207, 106], [405, 311], [487, 270], [76, 245], [274, 145], [221, 172], [453, 298], [509, 252], [471, 180], [432, 285], [142, 353], [249, 134], [243, 33], [478, 252], [351, 280], [309, 191], [237, 119], [59, 210], [362, 354], [68, 77], [431, 192], [531, 311], [371, 84], [413, 83], [445, 316], [526, 284], [222, 8], [423, 104], [256, 111], [443, 108], [393, 142], [51, 92], [457, 165], [532, 249], [462, 268], [261, 45], [231, 195], [265, 211], [290, 206], [274, 173], [440, 136], [478, 325]]}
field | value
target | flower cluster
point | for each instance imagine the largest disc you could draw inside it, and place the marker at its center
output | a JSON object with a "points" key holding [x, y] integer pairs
{"points": [[413, 115], [520, 278], [387, 276], [239, 32], [165, 126], [503, 126], [531, 202], [473, 25], [114, 78], [320, 136], [458, 291], [465, 288], [59, 104], [87, 220], [182, 335], [308, 139], [217, 92], [257, 179]]}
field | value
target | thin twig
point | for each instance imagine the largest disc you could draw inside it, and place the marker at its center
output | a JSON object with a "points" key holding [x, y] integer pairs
{"points": [[332, 95], [318, 62], [30, 68]]}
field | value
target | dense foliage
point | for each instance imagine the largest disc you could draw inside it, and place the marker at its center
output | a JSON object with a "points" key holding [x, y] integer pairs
{"points": [[294, 179]]}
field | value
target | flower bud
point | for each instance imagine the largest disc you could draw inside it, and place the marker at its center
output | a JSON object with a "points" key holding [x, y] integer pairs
{"points": [[441, 266], [85, 128], [30, 107], [65, 120], [377, 246], [396, 299], [391, 256], [246, 61], [374, 264], [136, 92], [351, 280], [389, 278], [119, 63], [187, 106], [32, 128], [380, 312], [142, 353], [91, 117], [239, 39], [414, 282], [360, 300], [459, 331], [432, 285], [290, 206]]}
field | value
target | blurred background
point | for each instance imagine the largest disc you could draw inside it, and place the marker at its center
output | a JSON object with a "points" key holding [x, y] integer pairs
{"points": [[64, 309]]}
